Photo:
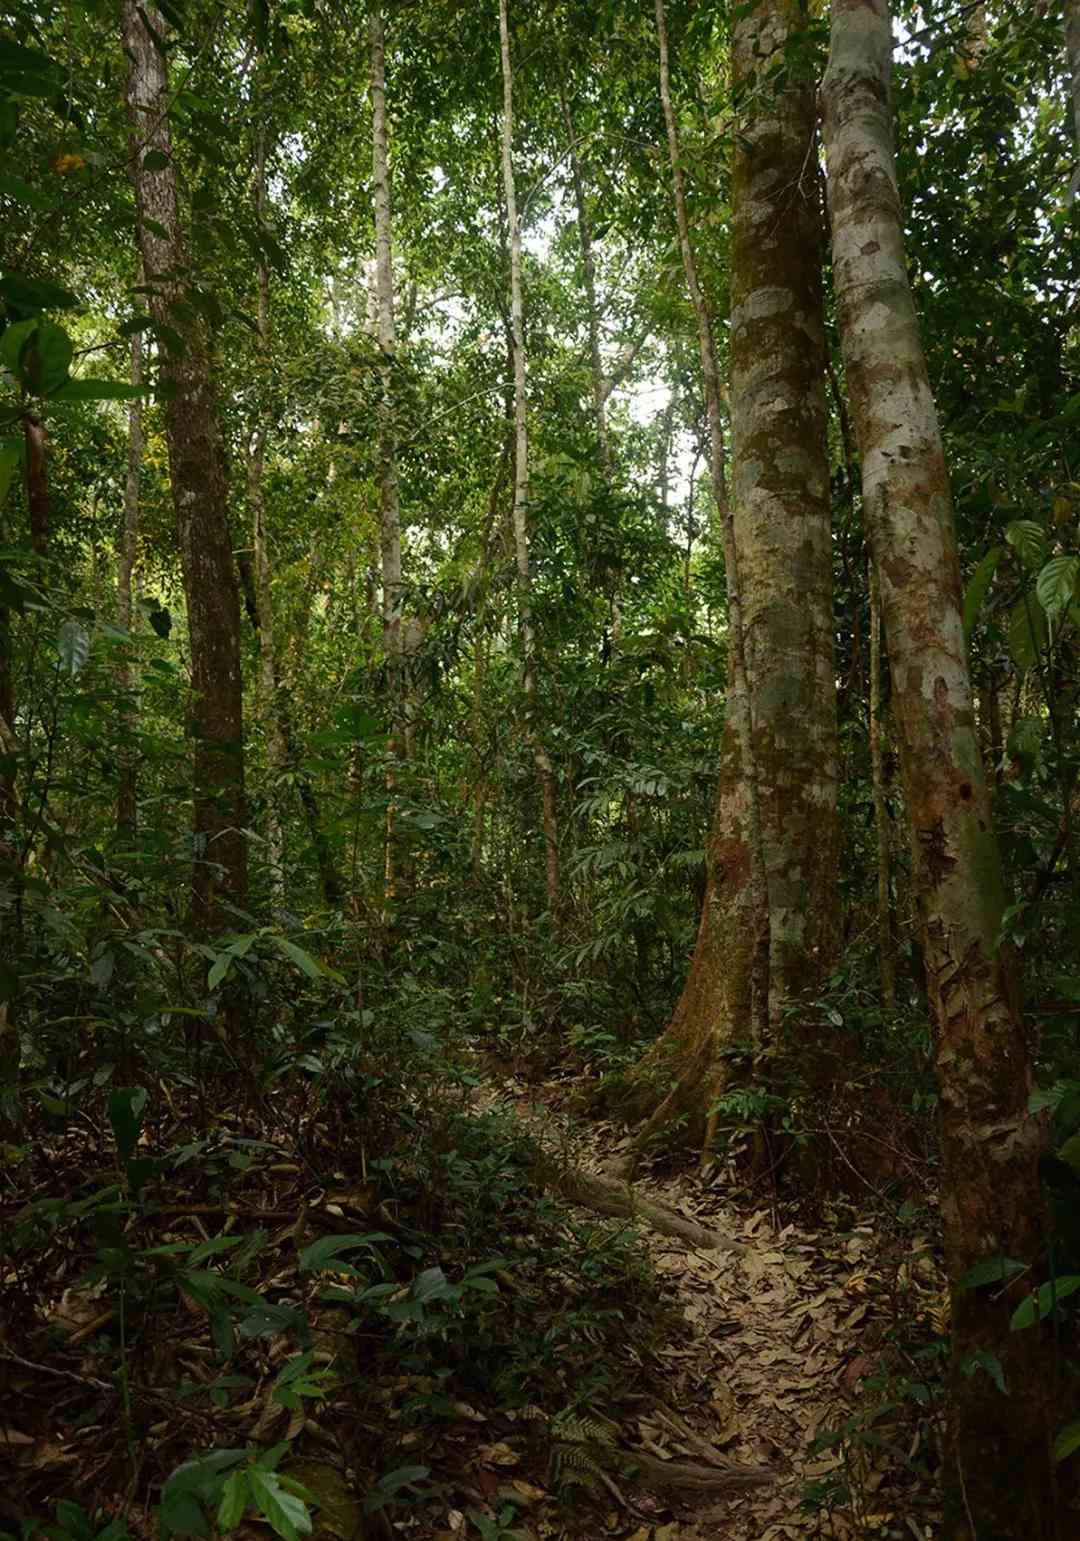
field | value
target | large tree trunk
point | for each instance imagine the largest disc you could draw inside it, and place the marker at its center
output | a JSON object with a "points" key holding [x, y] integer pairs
{"points": [[389, 501], [200, 492], [127, 789], [769, 923], [544, 769], [999, 1474]]}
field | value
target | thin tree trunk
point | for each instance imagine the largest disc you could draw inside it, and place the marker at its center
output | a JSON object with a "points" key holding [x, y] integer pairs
{"points": [[127, 790], [200, 491], [1072, 62], [277, 755], [544, 770], [886, 958], [999, 1476], [37, 483], [389, 501], [588, 276]]}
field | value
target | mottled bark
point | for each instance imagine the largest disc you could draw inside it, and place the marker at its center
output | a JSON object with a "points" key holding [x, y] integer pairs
{"points": [[389, 500], [200, 492], [769, 925], [780, 496], [545, 771], [886, 957], [127, 788], [1000, 1481]]}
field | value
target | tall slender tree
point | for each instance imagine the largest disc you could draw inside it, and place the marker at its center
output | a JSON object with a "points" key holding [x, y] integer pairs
{"points": [[545, 771], [389, 496], [1000, 1479], [199, 483], [127, 789]]}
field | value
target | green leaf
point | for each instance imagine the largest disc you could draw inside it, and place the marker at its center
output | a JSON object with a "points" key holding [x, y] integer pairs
{"points": [[34, 294], [87, 389], [1028, 540], [219, 971], [978, 587], [1056, 583], [73, 645], [47, 358], [235, 1501], [14, 341], [1042, 1301], [1067, 1442], [991, 1270], [1027, 631], [1070, 1152], [126, 1105], [302, 959], [323, 1252], [155, 160], [288, 1515]]}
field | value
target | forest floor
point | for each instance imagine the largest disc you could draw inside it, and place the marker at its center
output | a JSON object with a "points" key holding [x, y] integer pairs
{"points": [[790, 1362], [804, 1349]]}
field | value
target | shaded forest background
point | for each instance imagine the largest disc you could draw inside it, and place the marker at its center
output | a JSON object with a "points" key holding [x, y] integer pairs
{"points": [[365, 641]]}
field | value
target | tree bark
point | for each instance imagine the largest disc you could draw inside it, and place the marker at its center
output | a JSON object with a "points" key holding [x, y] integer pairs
{"points": [[389, 499], [200, 492], [999, 1475], [544, 769], [127, 790], [886, 957], [769, 923]]}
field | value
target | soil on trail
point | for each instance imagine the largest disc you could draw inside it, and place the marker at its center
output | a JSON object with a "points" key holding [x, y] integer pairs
{"points": [[783, 1333]]}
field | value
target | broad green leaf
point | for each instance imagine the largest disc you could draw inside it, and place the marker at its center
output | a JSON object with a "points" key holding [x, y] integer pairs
{"points": [[978, 587], [73, 645], [155, 160], [235, 1501], [302, 959], [1027, 631], [1070, 1152], [287, 1515], [992, 1270], [1028, 540], [1067, 1442], [1042, 1301], [47, 358], [34, 294], [14, 341], [86, 389], [322, 1253], [219, 971], [1056, 583]]}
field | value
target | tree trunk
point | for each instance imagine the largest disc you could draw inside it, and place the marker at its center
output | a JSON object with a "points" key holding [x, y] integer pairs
{"points": [[769, 924], [544, 770], [886, 957], [127, 790], [389, 502], [1072, 62], [999, 1476], [200, 493]]}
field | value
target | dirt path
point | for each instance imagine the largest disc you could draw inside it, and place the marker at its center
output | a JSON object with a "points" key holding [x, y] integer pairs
{"points": [[783, 1331]]}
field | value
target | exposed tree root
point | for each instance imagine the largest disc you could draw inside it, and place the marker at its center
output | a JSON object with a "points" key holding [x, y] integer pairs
{"points": [[610, 1196], [694, 1477]]}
